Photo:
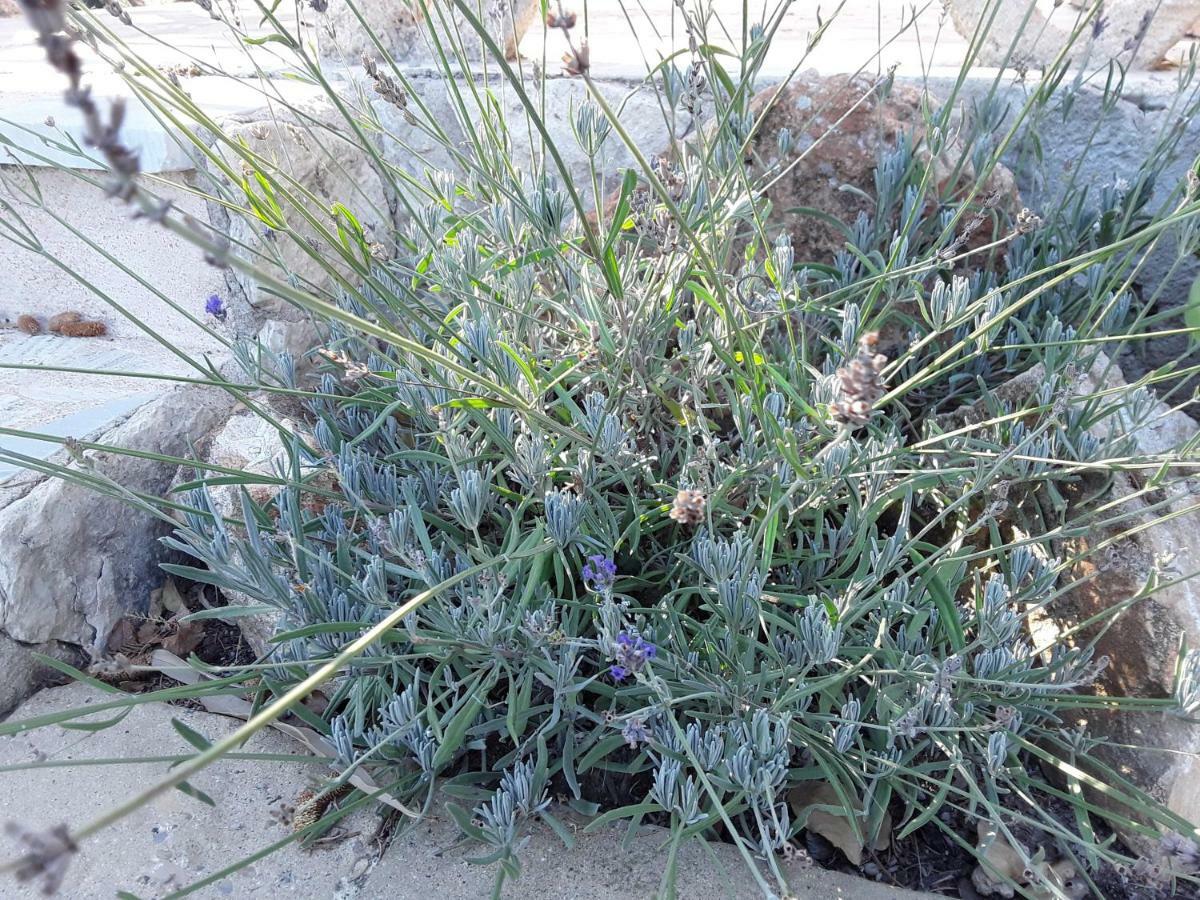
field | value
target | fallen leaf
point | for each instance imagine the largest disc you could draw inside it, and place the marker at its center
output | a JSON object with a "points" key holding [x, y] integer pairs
{"points": [[172, 600], [837, 828], [1002, 866], [149, 632], [122, 635], [184, 637]]}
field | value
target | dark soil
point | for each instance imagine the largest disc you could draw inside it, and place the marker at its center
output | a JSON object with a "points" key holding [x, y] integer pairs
{"points": [[932, 860]]}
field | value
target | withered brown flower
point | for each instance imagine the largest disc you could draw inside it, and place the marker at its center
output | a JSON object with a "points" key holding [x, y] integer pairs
{"points": [[861, 384], [688, 507]]}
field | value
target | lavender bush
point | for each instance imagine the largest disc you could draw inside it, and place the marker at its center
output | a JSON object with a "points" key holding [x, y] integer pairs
{"points": [[643, 511]]}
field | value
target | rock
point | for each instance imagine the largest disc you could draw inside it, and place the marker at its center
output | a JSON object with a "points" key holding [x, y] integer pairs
{"points": [[1142, 643], [1054, 178], [400, 27], [22, 673], [1040, 39], [246, 442], [838, 124], [9, 8], [309, 150], [176, 840], [76, 560], [638, 110], [413, 150]]}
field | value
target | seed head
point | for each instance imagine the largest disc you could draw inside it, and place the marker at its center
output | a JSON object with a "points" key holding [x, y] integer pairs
{"points": [[47, 855], [577, 60], [861, 384], [1028, 221], [61, 320], [688, 507]]}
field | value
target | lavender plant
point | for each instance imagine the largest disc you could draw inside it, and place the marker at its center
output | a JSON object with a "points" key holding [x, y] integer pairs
{"points": [[642, 508]]}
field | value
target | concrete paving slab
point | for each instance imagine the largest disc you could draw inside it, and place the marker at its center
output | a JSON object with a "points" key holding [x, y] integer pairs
{"points": [[176, 840], [39, 398]]}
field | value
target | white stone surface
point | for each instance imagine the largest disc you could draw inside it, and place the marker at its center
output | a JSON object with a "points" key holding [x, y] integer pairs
{"points": [[34, 399], [177, 840], [174, 35], [1123, 32], [400, 26]]}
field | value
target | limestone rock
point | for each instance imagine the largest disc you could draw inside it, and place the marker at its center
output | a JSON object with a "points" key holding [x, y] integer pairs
{"points": [[22, 673], [320, 167], [76, 560], [639, 111], [1040, 39], [1142, 643], [401, 28], [414, 150], [838, 125]]}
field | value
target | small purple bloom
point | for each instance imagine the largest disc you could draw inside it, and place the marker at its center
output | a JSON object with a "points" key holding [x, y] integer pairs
{"points": [[632, 653], [599, 573], [215, 307], [635, 732]]}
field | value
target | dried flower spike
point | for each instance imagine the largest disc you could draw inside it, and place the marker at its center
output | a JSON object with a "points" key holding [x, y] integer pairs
{"points": [[563, 20], [48, 20], [387, 87], [69, 317], [1028, 221], [861, 384], [116, 10], [1180, 850], [29, 324], [688, 507], [83, 329], [577, 60], [47, 855]]}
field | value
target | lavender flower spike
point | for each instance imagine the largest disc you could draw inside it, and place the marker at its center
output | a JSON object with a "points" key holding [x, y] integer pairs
{"points": [[632, 653], [599, 573]]}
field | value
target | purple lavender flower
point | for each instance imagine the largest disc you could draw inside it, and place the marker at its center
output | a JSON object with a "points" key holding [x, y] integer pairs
{"points": [[599, 573], [635, 732], [632, 654], [215, 307]]}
